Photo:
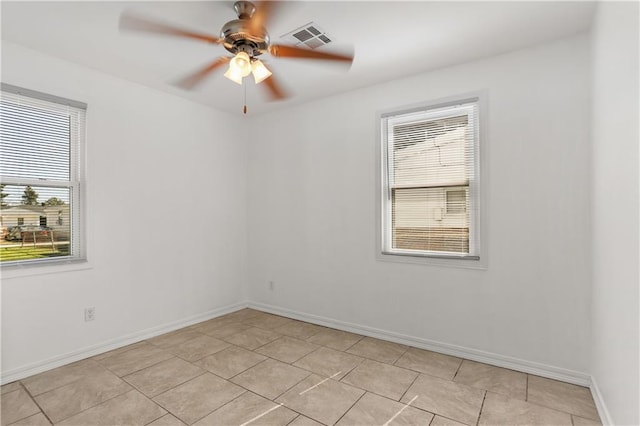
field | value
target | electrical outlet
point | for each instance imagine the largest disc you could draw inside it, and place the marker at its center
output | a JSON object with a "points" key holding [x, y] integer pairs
{"points": [[272, 285], [89, 314]]}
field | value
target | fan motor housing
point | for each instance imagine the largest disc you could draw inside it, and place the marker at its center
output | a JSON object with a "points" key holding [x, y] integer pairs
{"points": [[238, 37]]}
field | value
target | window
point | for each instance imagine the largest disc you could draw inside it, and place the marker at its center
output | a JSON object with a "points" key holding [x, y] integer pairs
{"points": [[430, 174], [41, 142], [457, 201]]}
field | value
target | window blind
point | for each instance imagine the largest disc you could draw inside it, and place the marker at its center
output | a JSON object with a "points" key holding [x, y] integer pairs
{"points": [[430, 169], [40, 171]]}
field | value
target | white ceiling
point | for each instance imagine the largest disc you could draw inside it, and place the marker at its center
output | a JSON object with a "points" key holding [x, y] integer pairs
{"points": [[391, 39]]}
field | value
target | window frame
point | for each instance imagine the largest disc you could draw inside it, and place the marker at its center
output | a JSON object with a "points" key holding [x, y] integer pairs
{"points": [[478, 187], [75, 184]]}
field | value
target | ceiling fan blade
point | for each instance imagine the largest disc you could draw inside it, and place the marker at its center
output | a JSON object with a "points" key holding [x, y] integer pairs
{"points": [[284, 51], [132, 22], [190, 81], [262, 15], [275, 90]]}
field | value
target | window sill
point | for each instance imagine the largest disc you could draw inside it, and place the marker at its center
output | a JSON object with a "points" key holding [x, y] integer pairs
{"points": [[44, 268], [450, 262]]}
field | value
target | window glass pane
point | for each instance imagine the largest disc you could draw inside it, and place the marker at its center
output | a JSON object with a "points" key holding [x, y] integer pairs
{"points": [[430, 153], [419, 222], [35, 142], [35, 222]]}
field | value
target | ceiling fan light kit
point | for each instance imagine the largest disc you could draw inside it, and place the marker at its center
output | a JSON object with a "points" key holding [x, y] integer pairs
{"points": [[246, 38], [239, 67]]}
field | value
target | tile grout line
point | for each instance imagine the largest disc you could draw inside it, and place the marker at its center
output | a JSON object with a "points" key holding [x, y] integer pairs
{"points": [[164, 408], [179, 331], [317, 332], [165, 414], [87, 360], [171, 388], [290, 409], [349, 409], [395, 363], [401, 355], [484, 397], [305, 415], [432, 419], [349, 372], [295, 418], [33, 398], [161, 416], [109, 399], [140, 369], [405, 392], [400, 411], [211, 412], [319, 383], [291, 387], [153, 402], [457, 369], [135, 345], [354, 343], [444, 417], [34, 401], [239, 373], [554, 409]]}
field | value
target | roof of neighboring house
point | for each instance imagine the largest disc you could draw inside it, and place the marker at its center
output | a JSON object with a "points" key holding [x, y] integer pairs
{"points": [[56, 207], [22, 209]]}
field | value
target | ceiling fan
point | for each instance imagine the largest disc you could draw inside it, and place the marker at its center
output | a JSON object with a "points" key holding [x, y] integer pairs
{"points": [[246, 38]]}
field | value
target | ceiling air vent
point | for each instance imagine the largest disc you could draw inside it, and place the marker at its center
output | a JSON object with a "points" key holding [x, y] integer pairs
{"points": [[309, 35]]}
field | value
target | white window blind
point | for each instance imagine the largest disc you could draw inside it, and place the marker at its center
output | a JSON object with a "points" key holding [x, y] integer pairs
{"points": [[430, 175], [41, 138]]}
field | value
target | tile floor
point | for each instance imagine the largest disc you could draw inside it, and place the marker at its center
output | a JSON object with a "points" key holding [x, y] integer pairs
{"points": [[250, 367]]}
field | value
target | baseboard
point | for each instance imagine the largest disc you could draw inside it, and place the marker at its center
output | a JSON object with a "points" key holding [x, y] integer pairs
{"points": [[603, 412], [516, 364], [511, 363], [58, 361]]}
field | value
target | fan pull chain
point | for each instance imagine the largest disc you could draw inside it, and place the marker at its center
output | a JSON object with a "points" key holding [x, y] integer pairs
{"points": [[244, 89]]}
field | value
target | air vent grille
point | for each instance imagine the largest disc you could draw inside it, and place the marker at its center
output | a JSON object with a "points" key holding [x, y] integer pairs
{"points": [[309, 35]]}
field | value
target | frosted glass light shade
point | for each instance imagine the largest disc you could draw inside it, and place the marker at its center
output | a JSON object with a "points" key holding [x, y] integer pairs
{"points": [[260, 72], [242, 63], [234, 75]]}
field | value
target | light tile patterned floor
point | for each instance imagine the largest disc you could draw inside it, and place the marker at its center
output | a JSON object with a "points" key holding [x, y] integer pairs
{"points": [[254, 368]]}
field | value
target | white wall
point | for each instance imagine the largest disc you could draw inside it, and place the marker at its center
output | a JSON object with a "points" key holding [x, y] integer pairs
{"points": [[615, 315], [312, 212], [166, 210]]}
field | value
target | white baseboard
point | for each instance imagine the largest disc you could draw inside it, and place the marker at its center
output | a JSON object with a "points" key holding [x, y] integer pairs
{"points": [[543, 370], [525, 366], [603, 412], [77, 355]]}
